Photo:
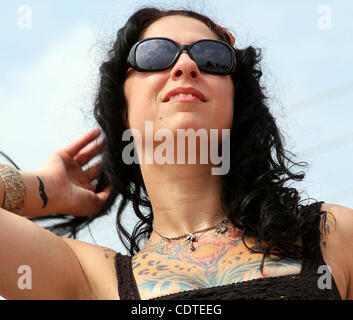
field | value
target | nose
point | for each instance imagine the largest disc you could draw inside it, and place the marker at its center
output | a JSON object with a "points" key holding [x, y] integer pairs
{"points": [[185, 67]]}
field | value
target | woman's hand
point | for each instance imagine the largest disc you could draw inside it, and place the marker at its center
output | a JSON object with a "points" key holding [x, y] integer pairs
{"points": [[73, 185]]}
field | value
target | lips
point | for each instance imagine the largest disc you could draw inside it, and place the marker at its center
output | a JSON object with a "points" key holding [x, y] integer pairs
{"points": [[188, 90]]}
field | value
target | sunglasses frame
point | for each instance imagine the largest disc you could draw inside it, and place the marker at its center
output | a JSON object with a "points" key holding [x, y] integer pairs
{"points": [[181, 47]]}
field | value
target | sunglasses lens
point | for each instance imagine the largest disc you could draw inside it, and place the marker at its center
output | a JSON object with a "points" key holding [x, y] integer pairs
{"points": [[212, 57], [155, 54]]}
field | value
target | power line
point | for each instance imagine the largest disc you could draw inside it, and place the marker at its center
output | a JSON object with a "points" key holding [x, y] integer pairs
{"points": [[341, 194], [330, 144], [320, 98], [9, 159]]}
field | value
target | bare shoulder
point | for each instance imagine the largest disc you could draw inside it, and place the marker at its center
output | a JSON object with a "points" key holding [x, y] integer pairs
{"points": [[98, 266], [338, 222], [337, 245]]}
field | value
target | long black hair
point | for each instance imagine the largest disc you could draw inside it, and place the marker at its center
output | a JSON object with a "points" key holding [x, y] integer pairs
{"points": [[254, 191]]}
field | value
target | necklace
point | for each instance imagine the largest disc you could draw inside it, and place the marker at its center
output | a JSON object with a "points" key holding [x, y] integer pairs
{"points": [[191, 238]]}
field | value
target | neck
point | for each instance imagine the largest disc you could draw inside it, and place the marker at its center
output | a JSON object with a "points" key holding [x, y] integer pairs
{"points": [[186, 199]]}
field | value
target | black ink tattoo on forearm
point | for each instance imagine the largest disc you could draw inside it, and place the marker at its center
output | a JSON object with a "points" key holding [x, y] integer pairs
{"points": [[42, 193]]}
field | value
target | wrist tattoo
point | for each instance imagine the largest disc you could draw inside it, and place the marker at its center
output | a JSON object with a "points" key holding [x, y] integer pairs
{"points": [[42, 193]]}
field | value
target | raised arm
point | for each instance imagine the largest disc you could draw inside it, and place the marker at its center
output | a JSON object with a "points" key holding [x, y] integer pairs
{"points": [[34, 262], [37, 264]]}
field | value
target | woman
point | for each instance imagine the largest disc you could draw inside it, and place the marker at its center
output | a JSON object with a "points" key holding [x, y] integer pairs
{"points": [[241, 234]]}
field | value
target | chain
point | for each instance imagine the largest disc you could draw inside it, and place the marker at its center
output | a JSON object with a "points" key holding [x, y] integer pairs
{"points": [[190, 237]]}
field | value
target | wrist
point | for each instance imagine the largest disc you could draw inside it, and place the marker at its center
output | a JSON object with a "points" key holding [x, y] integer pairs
{"points": [[41, 194]]}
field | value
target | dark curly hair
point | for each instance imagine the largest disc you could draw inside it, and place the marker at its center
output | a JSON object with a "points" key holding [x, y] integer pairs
{"points": [[253, 191]]}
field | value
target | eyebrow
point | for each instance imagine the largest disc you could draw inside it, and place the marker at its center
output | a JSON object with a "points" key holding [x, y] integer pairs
{"points": [[177, 41]]}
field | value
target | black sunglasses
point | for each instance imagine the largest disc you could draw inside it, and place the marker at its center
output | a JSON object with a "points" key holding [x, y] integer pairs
{"points": [[157, 54]]}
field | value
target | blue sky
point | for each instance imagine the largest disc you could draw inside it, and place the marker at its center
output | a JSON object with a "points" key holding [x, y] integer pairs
{"points": [[49, 77]]}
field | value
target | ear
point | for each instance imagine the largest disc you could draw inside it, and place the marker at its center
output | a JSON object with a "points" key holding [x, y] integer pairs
{"points": [[128, 72]]}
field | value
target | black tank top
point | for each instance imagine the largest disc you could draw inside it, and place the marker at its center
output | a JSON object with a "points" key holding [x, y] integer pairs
{"points": [[302, 286]]}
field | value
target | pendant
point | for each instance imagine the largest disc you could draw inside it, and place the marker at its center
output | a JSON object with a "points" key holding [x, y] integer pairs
{"points": [[191, 238], [221, 228]]}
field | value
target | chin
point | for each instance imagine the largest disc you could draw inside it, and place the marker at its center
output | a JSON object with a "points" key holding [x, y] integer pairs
{"points": [[188, 121]]}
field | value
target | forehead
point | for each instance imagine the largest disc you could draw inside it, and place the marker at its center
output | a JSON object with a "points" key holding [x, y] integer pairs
{"points": [[182, 29]]}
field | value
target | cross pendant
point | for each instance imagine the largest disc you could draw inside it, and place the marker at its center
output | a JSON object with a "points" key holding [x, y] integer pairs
{"points": [[191, 238]]}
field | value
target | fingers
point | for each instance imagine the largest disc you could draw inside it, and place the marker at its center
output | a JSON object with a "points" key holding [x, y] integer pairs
{"points": [[103, 195], [97, 201], [92, 203], [88, 153], [76, 146], [93, 172]]}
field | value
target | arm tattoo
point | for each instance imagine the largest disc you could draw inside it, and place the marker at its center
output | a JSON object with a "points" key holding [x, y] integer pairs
{"points": [[42, 193]]}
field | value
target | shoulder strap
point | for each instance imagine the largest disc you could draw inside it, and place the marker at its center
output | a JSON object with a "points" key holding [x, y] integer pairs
{"points": [[127, 287], [313, 260], [311, 214]]}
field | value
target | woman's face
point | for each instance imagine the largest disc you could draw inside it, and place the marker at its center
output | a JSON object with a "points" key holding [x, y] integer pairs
{"points": [[145, 91]]}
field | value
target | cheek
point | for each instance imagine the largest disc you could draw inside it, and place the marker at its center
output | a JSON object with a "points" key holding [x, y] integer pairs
{"points": [[230, 105], [141, 92], [133, 113], [225, 108], [136, 102]]}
